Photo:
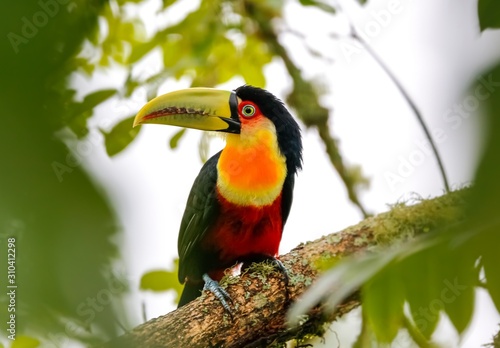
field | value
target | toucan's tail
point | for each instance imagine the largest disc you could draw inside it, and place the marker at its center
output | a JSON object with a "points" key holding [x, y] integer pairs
{"points": [[190, 292]]}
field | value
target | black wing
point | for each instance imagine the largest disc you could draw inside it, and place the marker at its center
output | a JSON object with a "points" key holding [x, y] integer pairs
{"points": [[202, 209], [287, 196]]}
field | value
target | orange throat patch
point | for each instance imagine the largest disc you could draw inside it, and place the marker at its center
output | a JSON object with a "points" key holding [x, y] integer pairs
{"points": [[251, 169]]}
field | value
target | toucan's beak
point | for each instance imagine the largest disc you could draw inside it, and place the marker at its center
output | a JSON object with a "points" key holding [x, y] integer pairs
{"points": [[200, 108]]}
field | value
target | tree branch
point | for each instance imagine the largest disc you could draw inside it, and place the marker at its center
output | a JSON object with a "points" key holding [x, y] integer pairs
{"points": [[259, 296]]}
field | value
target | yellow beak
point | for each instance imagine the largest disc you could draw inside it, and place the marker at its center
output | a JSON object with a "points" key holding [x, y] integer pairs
{"points": [[199, 108]]}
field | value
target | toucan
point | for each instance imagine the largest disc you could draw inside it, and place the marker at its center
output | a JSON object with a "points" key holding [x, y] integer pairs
{"points": [[241, 199]]}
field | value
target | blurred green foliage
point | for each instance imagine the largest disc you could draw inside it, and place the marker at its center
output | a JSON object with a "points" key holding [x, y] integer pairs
{"points": [[25, 342], [63, 225], [162, 280], [438, 272], [120, 136], [488, 11]]}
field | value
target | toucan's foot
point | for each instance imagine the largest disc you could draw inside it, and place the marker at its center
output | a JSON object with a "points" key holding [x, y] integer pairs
{"points": [[286, 278], [275, 262], [281, 267], [221, 294]]}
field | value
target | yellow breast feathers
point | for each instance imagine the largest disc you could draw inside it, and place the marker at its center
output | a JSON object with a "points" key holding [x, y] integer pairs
{"points": [[251, 169]]}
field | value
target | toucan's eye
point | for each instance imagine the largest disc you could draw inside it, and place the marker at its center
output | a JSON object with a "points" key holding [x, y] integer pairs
{"points": [[248, 110]]}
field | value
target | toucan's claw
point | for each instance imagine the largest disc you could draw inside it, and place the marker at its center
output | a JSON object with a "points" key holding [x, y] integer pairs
{"points": [[286, 278], [221, 294], [275, 262], [281, 267]]}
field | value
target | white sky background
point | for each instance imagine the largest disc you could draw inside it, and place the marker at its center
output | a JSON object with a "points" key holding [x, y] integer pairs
{"points": [[433, 47]]}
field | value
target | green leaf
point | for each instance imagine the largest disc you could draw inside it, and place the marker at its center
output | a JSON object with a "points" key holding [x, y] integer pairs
{"points": [[167, 3], [162, 280], [54, 288], [339, 282], [158, 280], [25, 342], [79, 113], [490, 263], [253, 76], [83, 64], [123, 2], [458, 291], [254, 57], [174, 141], [94, 36], [78, 122], [93, 99], [383, 299], [120, 136], [365, 337], [318, 4], [485, 202], [489, 14], [172, 52], [139, 50], [423, 283]]}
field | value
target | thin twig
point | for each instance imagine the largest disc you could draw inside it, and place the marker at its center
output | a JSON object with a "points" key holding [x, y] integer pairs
{"points": [[355, 35]]}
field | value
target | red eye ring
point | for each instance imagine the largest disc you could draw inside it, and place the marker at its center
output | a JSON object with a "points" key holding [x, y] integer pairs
{"points": [[248, 110]]}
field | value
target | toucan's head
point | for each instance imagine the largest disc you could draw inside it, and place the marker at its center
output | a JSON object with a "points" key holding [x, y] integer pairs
{"points": [[238, 112]]}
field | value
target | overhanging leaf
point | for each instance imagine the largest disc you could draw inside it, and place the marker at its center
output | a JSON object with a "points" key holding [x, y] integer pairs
{"points": [[458, 290], [492, 275], [120, 136], [174, 141], [158, 280], [318, 4], [339, 282], [167, 3], [139, 50], [488, 12], [162, 280], [365, 337], [423, 283], [78, 120], [383, 299], [350, 274], [79, 113], [93, 99]]}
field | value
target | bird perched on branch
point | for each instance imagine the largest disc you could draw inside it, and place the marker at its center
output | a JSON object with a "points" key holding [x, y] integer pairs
{"points": [[241, 199]]}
